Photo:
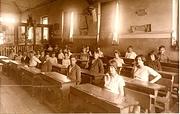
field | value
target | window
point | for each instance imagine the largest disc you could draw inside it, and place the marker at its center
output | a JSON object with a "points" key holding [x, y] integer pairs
{"points": [[116, 24], [44, 20], [30, 33], [45, 33], [71, 26]]}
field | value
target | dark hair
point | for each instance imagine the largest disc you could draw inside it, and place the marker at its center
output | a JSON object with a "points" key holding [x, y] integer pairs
{"points": [[151, 53], [31, 52], [113, 63], [140, 56], [73, 56], [116, 51], [130, 47], [162, 46], [96, 51]]}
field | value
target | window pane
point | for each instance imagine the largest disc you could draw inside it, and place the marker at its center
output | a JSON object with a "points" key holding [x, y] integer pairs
{"points": [[45, 33], [44, 20]]}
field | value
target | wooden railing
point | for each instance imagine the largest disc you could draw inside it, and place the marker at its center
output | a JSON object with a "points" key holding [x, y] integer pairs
{"points": [[5, 50]]}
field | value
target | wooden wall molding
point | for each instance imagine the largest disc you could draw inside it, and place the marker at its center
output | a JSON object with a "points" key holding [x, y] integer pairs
{"points": [[146, 35]]}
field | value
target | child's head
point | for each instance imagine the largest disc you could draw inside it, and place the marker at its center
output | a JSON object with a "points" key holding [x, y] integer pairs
{"points": [[60, 51], [66, 56], [130, 48], [42, 53], [152, 56], [24, 53], [84, 50], [112, 67], [53, 54], [117, 54], [162, 49], [73, 59], [19, 52], [140, 59], [96, 54]]}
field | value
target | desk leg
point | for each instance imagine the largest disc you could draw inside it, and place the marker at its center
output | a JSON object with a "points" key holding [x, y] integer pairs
{"points": [[152, 109]]}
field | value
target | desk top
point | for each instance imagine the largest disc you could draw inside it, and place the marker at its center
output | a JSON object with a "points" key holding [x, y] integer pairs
{"points": [[170, 64], [152, 86], [82, 60], [168, 73], [3, 57], [85, 71], [105, 95], [57, 76], [15, 62], [6, 60], [31, 69], [59, 66]]}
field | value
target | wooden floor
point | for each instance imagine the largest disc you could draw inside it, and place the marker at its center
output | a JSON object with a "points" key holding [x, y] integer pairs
{"points": [[14, 99]]}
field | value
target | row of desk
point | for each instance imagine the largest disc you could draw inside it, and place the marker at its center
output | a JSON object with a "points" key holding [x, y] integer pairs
{"points": [[52, 89]]}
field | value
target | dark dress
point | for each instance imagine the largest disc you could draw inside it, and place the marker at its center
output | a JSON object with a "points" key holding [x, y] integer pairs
{"points": [[25, 60], [96, 66], [154, 64]]}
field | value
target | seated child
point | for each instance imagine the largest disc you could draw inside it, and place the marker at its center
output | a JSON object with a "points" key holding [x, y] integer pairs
{"points": [[130, 53]]}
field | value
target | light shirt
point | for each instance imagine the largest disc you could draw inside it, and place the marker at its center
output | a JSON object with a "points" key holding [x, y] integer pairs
{"points": [[131, 55], [18, 58], [50, 49], [114, 83], [12, 55], [60, 56], [66, 62], [34, 61], [53, 60], [144, 73], [119, 61]]}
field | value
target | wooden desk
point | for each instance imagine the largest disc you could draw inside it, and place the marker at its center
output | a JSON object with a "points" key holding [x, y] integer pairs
{"points": [[59, 68], [14, 69], [3, 57], [82, 63], [55, 91], [170, 67], [89, 77], [128, 61], [5, 67], [95, 99], [127, 71], [28, 77], [142, 90]]}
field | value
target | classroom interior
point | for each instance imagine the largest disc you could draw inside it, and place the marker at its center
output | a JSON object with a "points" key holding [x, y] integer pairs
{"points": [[89, 56]]}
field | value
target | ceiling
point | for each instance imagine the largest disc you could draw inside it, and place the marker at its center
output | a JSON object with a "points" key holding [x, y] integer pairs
{"points": [[24, 5]]}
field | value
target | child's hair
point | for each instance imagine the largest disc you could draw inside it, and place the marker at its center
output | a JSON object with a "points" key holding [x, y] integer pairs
{"points": [[130, 47], [140, 56], [72, 56], [116, 51], [162, 46], [113, 63]]}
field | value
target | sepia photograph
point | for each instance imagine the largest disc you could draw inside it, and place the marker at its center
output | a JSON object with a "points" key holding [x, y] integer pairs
{"points": [[89, 56]]}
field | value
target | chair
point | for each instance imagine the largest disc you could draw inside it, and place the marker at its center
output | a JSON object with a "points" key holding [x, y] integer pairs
{"points": [[164, 96]]}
